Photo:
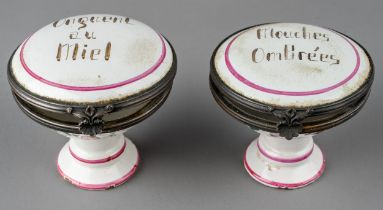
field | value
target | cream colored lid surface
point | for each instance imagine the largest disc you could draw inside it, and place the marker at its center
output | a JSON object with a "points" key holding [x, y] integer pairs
{"points": [[292, 64], [92, 58]]}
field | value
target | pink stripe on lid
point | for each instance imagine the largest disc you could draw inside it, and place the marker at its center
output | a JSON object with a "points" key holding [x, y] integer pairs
{"points": [[93, 88], [247, 82]]}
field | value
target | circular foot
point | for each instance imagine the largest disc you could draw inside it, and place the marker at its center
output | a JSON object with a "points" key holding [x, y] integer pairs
{"points": [[278, 173], [100, 174]]}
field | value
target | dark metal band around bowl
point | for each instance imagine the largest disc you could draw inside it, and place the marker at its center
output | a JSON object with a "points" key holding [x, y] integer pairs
{"points": [[92, 118], [289, 122]]}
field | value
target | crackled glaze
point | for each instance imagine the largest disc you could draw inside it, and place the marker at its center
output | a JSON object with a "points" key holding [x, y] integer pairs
{"points": [[289, 81], [80, 59], [91, 77], [291, 64]]}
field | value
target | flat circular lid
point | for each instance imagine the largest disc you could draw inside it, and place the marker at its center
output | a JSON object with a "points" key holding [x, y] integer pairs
{"points": [[292, 64], [91, 58]]}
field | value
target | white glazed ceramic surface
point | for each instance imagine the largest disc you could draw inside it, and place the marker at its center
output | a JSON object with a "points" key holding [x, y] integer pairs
{"points": [[89, 60], [92, 58], [98, 163], [276, 162], [291, 64]]}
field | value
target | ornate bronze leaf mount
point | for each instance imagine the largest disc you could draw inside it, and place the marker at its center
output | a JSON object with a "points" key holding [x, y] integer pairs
{"points": [[91, 118], [290, 121]]}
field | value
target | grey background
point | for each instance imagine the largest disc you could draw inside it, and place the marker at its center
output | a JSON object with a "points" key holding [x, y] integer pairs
{"points": [[191, 150]]}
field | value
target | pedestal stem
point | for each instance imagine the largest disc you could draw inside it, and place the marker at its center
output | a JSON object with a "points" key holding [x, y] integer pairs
{"points": [[93, 149], [276, 162], [98, 163], [285, 151]]}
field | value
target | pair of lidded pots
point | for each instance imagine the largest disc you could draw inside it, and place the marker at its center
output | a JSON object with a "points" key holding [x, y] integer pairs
{"points": [[91, 77]]}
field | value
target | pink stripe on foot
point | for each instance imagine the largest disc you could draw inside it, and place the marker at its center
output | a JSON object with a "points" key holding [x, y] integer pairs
{"points": [[265, 181], [103, 186]]}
